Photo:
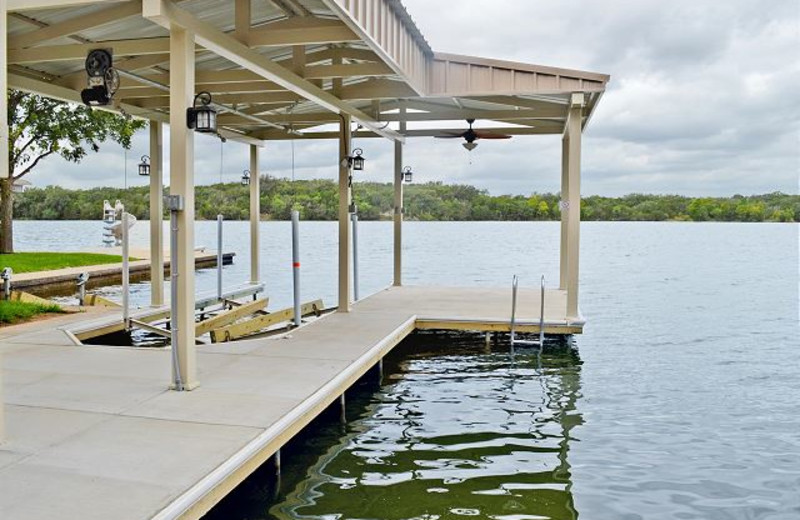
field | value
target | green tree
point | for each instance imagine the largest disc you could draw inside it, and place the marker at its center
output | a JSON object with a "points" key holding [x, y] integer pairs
{"points": [[39, 127]]}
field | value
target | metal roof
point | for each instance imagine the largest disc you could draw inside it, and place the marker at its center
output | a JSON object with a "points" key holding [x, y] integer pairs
{"points": [[368, 54]]}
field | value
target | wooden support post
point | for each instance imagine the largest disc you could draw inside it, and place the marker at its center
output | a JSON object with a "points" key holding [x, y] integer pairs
{"points": [[564, 211], [344, 214], [156, 215], [181, 94], [574, 127], [398, 202], [255, 215], [242, 21], [5, 172]]}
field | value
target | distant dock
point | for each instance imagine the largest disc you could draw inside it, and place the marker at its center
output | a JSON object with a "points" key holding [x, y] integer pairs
{"points": [[62, 281]]}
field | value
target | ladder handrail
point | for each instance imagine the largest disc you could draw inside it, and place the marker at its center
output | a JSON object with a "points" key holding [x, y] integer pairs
{"points": [[514, 290]]}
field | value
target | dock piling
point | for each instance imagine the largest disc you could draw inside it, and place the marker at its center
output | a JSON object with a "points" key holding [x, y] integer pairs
{"points": [[298, 317], [81, 282]]}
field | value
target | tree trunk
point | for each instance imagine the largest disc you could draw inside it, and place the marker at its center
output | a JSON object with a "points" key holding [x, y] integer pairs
{"points": [[7, 216]]}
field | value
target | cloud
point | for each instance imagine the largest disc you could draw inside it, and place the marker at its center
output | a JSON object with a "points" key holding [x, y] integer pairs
{"points": [[701, 102]]}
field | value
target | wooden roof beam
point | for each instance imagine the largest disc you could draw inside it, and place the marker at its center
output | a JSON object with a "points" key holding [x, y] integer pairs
{"points": [[166, 14], [72, 26]]}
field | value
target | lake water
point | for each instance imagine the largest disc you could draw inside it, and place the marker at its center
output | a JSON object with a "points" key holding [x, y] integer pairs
{"points": [[680, 400]]}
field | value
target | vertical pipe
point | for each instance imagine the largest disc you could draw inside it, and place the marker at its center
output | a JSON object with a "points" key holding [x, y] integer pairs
{"points": [[354, 219], [174, 271], [296, 266], [344, 214], [156, 215], [126, 289], [398, 203], [255, 214], [219, 257], [181, 95], [342, 409]]}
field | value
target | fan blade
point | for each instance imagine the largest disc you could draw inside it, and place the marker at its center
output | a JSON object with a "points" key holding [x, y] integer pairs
{"points": [[449, 136], [490, 135]]}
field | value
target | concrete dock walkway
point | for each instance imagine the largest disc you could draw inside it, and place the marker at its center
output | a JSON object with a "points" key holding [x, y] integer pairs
{"points": [[94, 433]]}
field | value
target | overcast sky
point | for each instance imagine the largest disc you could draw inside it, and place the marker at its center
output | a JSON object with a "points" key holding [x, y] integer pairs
{"points": [[703, 100]]}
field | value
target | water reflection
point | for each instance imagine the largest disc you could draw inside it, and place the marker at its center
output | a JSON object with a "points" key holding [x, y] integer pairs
{"points": [[457, 429]]}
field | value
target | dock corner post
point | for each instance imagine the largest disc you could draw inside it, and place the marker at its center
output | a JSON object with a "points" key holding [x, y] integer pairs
{"points": [[298, 315], [181, 95], [255, 214], [344, 214], [156, 215], [398, 203], [574, 127], [564, 207]]}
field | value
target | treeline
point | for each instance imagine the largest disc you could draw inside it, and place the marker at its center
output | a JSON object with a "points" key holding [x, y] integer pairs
{"points": [[318, 200]]}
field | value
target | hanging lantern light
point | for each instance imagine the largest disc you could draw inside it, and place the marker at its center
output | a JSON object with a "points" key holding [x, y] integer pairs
{"points": [[246, 178], [407, 175], [144, 166], [202, 117], [357, 161]]}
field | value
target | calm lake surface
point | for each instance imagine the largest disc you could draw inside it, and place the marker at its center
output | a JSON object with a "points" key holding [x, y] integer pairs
{"points": [[680, 400]]}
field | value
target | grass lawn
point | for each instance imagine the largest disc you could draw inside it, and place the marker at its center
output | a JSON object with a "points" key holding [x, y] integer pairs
{"points": [[15, 312], [30, 262]]}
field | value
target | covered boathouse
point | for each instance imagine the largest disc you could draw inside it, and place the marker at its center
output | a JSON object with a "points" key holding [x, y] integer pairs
{"points": [[99, 432]]}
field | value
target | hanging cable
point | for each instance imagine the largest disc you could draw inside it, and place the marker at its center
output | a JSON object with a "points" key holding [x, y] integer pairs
{"points": [[221, 155]]}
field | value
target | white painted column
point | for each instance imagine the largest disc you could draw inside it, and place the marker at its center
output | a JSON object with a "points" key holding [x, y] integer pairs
{"points": [[398, 202], [574, 129], [4, 165], [156, 214], [255, 214], [181, 94], [564, 211], [344, 215]]}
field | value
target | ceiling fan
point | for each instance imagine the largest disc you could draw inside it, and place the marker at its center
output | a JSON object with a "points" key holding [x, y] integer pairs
{"points": [[470, 136]]}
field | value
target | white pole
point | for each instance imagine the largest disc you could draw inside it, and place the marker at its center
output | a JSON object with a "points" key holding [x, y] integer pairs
{"points": [[219, 257], [354, 218], [296, 265], [126, 318], [181, 95]]}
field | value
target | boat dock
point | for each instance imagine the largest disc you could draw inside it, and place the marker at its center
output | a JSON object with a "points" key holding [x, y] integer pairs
{"points": [[92, 428]]}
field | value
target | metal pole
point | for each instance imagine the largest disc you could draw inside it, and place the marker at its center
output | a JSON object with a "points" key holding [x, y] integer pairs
{"points": [[296, 265], [354, 218], [173, 300], [126, 318], [219, 257]]}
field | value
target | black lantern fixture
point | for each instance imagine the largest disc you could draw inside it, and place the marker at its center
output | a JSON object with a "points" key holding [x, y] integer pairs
{"points": [[357, 160], [202, 117], [407, 175], [246, 178], [144, 166]]}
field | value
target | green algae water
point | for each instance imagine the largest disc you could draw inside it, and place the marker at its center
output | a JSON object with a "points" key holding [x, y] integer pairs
{"points": [[457, 428]]}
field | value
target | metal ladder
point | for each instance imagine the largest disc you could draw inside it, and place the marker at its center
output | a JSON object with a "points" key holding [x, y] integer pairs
{"points": [[514, 340]]}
